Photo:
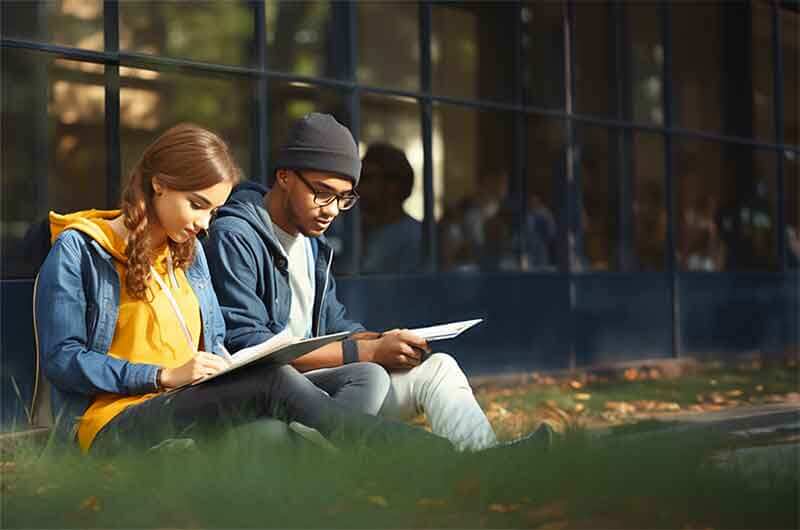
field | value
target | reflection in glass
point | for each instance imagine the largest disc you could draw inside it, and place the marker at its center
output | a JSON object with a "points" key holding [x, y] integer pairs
{"points": [[544, 191], [649, 202], [472, 169], [598, 216], [151, 102], [471, 50], [76, 23], [216, 31], [55, 159], [790, 48], [647, 61], [725, 211], [543, 54], [791, 205], [300, 40], [392, 205], [388, 44], [593, 43]]}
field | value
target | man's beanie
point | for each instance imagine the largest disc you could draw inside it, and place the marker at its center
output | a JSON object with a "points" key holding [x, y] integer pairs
{"points": [[318, 142]]}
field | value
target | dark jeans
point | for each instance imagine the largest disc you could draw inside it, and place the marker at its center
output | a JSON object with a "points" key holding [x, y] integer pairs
{"points": [[242, 396]]}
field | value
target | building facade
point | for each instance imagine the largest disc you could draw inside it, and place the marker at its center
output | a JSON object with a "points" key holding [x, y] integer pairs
{"points": [[601, 181]]}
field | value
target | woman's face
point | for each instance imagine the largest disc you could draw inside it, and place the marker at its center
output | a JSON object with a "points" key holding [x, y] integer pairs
{"points": [[182, 215]]}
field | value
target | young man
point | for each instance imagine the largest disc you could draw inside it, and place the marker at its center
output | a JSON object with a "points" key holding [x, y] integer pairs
{"points": [[270, 266]]}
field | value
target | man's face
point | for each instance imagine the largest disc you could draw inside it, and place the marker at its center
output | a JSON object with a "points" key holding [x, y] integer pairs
{"points": [[303, 212]]}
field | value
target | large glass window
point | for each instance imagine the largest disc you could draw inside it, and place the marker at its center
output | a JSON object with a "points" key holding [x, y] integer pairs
{"points": [[646, 58], [213, 31], [790, 46], [649, 202], [593, 59], [151, 102], [598, 215], [388, 44], [76, 23], [472, 52], [472, 168], [726, 207], [53, 115]]}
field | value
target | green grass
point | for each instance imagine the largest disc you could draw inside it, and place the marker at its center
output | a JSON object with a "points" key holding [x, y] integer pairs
{"points": [[242, 483]]}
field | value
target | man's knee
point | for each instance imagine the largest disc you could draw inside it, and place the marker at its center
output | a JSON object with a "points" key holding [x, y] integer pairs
{"points": [[443, 366], [370, 373]]}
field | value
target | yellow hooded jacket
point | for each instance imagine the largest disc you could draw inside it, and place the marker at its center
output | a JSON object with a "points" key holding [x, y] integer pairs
{"points": [[147, 331]]}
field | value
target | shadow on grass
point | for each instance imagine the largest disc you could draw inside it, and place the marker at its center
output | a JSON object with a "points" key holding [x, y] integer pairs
{"points": [[623, 481]]}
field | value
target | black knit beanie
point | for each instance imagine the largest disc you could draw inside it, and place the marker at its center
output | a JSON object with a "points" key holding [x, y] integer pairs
{"points": [[318, 142]]}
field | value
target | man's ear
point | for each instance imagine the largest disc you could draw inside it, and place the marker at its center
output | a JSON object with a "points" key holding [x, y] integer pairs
{"points": [[282, 179]]}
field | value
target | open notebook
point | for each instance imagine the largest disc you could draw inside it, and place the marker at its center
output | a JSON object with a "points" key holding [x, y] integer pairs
{"points": [[284, 348]]}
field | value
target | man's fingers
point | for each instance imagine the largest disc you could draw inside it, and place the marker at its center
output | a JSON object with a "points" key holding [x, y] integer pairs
{"points": [[415, 340]]}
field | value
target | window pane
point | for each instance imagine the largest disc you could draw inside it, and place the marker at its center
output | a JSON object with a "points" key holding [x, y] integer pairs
{"points": [[545, 193], [388, 44], [55, 158], [543, 54], [593, 46], [391, 187], [649, 202], [472, 53], [722, 67], [472, 166], [300, 38], [217, 31], [647, 58], [151, 102], [790, 46], [725, 207], [77, 23], [599, 214], [791, 204]]}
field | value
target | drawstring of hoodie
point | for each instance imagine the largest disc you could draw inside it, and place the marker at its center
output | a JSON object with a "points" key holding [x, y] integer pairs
{"points": [[174, 281]]}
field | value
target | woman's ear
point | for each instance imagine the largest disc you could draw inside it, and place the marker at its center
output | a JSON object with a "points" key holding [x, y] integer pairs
{"points": [[158, 188]]}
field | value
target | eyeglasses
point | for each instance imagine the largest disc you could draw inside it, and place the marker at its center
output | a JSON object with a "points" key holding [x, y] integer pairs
{"points": [[345, 201]]}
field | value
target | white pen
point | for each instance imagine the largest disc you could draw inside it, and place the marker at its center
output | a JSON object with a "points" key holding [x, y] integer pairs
{"points": [[225, 355]]}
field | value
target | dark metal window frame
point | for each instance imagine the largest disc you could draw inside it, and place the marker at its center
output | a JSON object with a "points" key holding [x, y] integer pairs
{"points": [[112, 58]]}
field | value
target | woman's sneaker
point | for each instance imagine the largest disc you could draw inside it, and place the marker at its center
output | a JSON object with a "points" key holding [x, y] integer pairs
{"points": [[541, 439]]}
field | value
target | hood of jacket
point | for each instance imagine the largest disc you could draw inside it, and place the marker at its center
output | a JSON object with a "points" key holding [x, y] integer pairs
{"points": [[92, 223]]}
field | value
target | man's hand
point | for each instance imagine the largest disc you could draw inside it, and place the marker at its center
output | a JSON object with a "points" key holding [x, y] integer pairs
{"points": [[397, 349], [201, 365]]}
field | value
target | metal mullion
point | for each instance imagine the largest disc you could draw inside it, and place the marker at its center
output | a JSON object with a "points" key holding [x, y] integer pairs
{"points": [[623, 138], [571, 187], [260, 160], [426, 117], [112, 87], [777, 94], [519, 161], [670, 187], [64, 52]]}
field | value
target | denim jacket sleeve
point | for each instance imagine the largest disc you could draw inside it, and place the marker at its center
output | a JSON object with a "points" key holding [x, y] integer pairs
{"points": [[61, 311], [234, 269]]}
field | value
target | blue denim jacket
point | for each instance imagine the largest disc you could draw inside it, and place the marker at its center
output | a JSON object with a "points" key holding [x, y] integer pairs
{"points": [[77, 306], [249, 269]]}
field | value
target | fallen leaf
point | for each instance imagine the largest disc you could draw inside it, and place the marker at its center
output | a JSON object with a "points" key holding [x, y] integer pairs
{"points": [[91, 503], [579, 407], [576, 384], [734, 393], [631, 374], [504, 508], [8, 467], [425, 501], [716, 398], [759, 388], [620, 407], [580, 396], [712, 382], [554, 510], [378, 501]]}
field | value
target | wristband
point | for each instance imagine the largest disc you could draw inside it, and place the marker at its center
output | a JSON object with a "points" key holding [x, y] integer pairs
{"points": [[159, 384], [349, 351]]}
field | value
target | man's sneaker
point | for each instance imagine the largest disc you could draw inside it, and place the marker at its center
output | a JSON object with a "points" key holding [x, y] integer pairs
{"points": [[540, 439], [314, 436]]}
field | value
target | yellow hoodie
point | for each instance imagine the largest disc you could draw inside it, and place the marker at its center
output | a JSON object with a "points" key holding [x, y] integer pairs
{"points": [[147, 331]]}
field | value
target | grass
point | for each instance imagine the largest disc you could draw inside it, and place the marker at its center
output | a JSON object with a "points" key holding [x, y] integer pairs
{"points": [[238, 481]]}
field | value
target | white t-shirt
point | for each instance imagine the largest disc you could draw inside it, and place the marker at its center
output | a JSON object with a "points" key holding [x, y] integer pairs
{"points": [[301, 274]]}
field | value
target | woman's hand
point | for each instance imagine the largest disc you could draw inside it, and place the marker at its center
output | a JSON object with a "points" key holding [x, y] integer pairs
{"points": [[201, 365]]}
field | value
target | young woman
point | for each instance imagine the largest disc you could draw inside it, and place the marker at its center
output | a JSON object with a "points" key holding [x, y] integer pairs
{"points": [[125, 311]]}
